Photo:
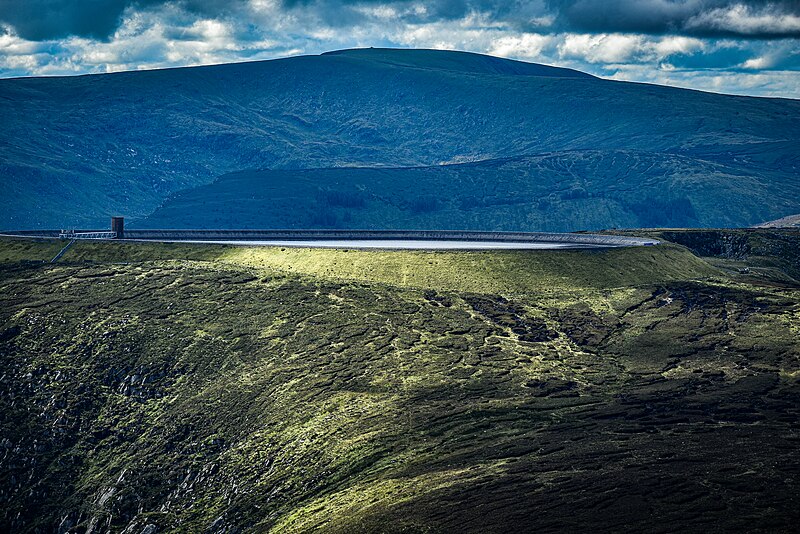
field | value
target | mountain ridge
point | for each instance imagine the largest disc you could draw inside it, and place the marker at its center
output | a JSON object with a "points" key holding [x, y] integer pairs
{"points": [[76, 150], [456, 60]]}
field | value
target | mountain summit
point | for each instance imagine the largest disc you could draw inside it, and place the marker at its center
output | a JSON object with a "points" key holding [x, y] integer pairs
{"points": [[544, 147], [461, 62]]}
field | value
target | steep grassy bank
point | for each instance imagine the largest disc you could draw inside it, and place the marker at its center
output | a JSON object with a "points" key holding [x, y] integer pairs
{"points": [[229, 389], [759, 254], [498, 272]]}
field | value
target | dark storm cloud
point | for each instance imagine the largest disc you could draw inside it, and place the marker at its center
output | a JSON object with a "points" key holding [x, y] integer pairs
{"points": [[758, 19], [702, 18], [39, 20], [43, 19]]}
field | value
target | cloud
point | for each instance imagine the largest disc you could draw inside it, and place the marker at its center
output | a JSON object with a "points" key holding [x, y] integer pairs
{"points": [[626, 48], [775, 58], [99, 19], [773, 84], [704, 18], [521, 46], [604, 48], [164, 37], [744, 20], [51, 19]]}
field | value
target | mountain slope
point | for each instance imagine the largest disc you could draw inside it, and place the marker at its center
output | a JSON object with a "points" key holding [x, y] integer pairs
{"points": [[561, 191], [454, 61], [74, 150], [261, 390], [784, 222]]}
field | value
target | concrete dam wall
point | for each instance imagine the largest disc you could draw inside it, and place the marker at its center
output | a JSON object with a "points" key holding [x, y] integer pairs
{"points": [[592, 240], [339, 235]]}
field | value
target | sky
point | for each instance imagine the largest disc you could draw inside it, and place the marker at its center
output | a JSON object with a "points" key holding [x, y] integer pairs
{"points": [[727, 46]]}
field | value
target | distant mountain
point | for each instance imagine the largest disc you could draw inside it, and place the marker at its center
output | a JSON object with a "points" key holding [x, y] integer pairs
{"points": [[75, 150], [560, 191]]}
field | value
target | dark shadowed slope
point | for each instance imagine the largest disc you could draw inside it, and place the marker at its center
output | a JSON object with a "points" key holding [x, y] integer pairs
{"points": [[560, 191], [74, 150]]}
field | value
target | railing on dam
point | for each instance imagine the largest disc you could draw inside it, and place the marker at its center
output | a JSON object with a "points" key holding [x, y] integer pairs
{"points": [[88, 235]]}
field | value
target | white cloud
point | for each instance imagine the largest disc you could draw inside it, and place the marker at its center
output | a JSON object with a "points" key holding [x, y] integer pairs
{"points": [[666, 46], [757, 63], [144, 40], [780, 84], [380, 12], [744, 19], [527, 45], [456, 35], [13, 45], [602, 48], [625, 48]]}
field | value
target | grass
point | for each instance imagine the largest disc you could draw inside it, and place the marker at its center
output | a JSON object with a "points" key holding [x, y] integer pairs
{"points": [[197, 388], [489, 272], [14, 250]]}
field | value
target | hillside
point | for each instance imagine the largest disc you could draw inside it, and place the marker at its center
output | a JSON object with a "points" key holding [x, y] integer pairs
{"points": [[557, 192], [790, 221], [74, 150], [179, 387]]}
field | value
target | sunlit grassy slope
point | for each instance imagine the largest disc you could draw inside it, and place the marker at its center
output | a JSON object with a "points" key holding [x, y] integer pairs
{"points": [[498, 272], [186, 388]]}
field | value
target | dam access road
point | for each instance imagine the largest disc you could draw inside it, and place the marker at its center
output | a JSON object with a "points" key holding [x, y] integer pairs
{"points": [[360, 239]]}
